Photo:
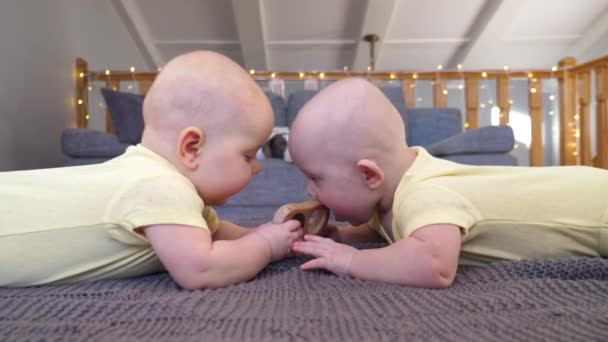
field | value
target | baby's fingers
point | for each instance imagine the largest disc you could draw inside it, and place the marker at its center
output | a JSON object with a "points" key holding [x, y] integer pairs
{"points": [[318, 263], [292, 225], [312, 249]]}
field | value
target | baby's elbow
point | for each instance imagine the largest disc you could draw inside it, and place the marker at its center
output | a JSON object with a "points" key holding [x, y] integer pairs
{"points": [[442, 276], [197, 281]]}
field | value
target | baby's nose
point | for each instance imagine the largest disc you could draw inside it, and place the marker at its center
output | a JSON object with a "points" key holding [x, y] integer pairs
{"points": [[256, 167]]}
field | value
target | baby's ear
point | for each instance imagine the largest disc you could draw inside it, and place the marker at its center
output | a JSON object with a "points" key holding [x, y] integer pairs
{"points": [[189, 145], [371, 172]]}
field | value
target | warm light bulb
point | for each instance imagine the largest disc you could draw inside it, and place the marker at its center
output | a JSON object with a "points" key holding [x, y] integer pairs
{"points": [[490, 101], [510, 102], [439, 67], [459, 66], [551, 97], [460, 86], [551, 112], [369, 68], [554, 68], [484, 74], [132, 69], [301, 75], [392, 76], [415, 76], [79, 101], [445, 91], [273, 75], [412, 85], [107, 72], [533, 90], [483, 105], [129, 87], [87, 117], [90, 88], [466, 125], [251, 71], [322, 75], [81, 74], [576, 117], [506, 67], [530, 75]]}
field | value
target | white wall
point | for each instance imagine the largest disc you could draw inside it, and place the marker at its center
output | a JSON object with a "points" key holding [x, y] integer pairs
{"points": [[40, 41]]}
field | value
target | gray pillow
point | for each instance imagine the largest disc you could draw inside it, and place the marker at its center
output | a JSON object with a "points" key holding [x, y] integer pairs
{"points": [[126, 112]]}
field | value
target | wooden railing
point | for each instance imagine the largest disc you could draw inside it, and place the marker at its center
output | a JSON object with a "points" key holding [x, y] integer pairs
{"points": [[574, 96]]}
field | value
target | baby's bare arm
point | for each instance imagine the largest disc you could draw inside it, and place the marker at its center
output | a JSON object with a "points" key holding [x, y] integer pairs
{"points": [[231, 231], [195, 261], [428, 258]]}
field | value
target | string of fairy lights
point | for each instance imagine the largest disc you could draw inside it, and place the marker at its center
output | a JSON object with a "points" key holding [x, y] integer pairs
{"points": [[485, 95]]}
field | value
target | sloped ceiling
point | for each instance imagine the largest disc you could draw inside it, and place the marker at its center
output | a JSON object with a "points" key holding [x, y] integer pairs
{"points": [[309, 35]]}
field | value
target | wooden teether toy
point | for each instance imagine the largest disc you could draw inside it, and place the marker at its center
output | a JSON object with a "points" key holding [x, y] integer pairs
{"points": [[312, 215]]}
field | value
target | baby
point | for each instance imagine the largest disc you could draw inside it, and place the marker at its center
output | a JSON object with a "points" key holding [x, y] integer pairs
{"points": [[148, 209], [350, 143]]}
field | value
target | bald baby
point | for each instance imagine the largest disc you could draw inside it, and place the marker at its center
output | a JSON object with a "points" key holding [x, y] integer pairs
{"points": [[353, 148]]}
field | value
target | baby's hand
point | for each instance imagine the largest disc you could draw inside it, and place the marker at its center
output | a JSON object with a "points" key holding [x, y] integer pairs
{"points": [[329, 255], [280, 237]]}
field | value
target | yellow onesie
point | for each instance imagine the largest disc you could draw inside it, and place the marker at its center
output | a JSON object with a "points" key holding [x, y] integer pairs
{"points": [[505, 213], [77, 223]]}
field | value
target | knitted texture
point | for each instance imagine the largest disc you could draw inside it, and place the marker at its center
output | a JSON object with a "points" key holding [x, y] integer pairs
{"points": [[550, 300]]}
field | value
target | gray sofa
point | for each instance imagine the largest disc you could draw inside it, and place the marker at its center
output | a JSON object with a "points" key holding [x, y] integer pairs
{"points": [[438, 130]]}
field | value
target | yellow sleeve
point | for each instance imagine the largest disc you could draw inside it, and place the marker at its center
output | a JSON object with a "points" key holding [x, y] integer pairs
{"points": [[166, 199], [428, 204]]}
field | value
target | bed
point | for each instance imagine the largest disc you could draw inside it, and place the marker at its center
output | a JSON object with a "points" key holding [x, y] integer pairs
{"points": [[549, 300]]}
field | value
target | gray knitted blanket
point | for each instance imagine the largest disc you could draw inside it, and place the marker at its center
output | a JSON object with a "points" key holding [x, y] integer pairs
{"points": [[552, 300]]}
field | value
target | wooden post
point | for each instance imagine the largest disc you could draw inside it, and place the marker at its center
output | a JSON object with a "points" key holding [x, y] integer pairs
{"points": [[472, 101], [567, 105], [144, 86], [601, 94], [503, 98], [115, 87], [535, 101], [409, 92], [584, 96], [440, 95], [82, 95]]}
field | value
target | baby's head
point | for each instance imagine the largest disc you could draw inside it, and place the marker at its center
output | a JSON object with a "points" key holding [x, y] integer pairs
{"points": [[349, 141], [208, 117]]}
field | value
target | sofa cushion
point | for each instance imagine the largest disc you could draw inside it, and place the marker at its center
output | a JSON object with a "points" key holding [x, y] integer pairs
{"points": [[487, 139], [425, 126], [126, 112], [278, 182], [89, 143], [279, 107], [296, 101]]}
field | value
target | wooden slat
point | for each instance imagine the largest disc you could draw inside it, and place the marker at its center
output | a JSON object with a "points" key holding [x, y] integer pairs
{"points": [[601, 94], [584, 122], [567, 105], [144, 86], [503, 97], [440, 98], [82, 95], [535, 101], [472, 102], [409, 92]]}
